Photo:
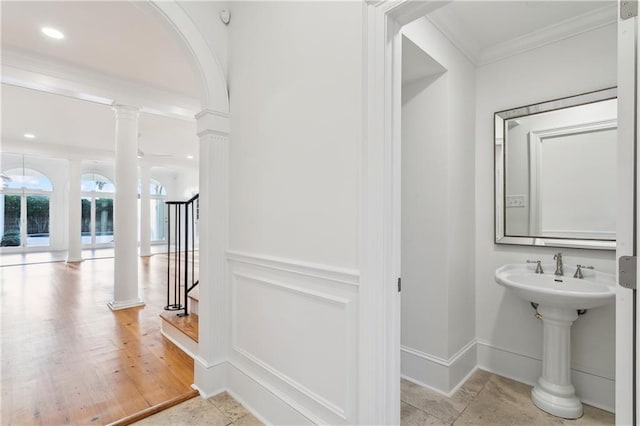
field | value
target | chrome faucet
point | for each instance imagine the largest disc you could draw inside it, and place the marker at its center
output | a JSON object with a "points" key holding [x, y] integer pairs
{"points": [[578, 273], [538, 266], [558, 259]]}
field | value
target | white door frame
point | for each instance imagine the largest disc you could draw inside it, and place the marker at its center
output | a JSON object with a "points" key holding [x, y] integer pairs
{"points": [[379, 300], [379, 354], [626, 245]]}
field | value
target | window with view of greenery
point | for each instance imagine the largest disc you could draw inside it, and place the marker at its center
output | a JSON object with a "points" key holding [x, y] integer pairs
{"points": [[24, 208]]}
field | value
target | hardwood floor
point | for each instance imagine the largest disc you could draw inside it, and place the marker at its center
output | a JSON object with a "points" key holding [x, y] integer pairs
{"points": [[66, 358]]}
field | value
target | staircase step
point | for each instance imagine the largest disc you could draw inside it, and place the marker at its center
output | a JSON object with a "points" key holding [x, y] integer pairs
{"points": [[194, 300], [183, 331], [195, 293]]}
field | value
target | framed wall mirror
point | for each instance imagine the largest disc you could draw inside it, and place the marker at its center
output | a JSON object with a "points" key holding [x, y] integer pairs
{"points": [[555, 172]]}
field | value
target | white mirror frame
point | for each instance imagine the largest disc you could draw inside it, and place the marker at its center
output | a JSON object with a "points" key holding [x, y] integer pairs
{"points": [[499, 178]]}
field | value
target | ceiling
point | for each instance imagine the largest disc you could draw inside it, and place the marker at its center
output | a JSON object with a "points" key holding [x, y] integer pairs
{"points": [[118, 38], [117, 41], [487, 31], [80, 125]]}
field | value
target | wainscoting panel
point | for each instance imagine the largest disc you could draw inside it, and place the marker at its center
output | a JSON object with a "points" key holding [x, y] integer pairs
{"points": [[294, 333]]}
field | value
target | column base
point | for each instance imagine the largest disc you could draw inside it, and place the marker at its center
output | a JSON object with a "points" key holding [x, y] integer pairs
{"points": [[118, 305], [555, 399], [74, 260]]}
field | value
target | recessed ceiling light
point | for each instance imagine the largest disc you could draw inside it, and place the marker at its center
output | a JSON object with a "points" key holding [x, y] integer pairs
{"points": [[29, 135], [190, 157], [53, 33]]}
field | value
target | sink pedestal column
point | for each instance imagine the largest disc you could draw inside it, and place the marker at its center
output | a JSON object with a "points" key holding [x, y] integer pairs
{"points": [[554, 392]]}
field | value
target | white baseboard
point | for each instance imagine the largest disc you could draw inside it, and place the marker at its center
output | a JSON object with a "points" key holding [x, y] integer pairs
{"points": [[118, 305], [442, 375], [267, 404], [591, 389], [210, 379], [273, 408]]}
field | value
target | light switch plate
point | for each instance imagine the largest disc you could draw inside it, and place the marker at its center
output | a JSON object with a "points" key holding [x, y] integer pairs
{"points": [[516, 201]]}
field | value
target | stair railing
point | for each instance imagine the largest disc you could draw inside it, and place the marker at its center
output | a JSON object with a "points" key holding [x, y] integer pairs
{"points": [[181, 266]]}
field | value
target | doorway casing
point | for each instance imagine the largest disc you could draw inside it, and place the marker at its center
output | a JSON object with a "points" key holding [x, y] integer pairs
{"points": [[379, 325]]}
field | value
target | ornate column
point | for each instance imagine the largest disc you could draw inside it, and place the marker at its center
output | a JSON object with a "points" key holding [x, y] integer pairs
{"points": [[145, 212], [214, 304], [125, 293], [74, 215]]}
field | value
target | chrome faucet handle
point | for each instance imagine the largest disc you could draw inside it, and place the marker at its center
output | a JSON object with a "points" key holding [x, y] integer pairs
{"points": [[538, 267], [579, 269], [559, 266]]}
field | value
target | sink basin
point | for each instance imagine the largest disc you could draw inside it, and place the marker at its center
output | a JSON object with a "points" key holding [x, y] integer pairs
{"points": [[559, 298], [595, 289]]}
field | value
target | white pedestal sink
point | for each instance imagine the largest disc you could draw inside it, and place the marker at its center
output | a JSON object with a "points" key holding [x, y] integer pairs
{"points": [[558, 299]]}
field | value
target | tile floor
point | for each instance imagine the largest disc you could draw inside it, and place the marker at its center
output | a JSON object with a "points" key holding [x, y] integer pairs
{"points": [[219, 410], [485, 399]]}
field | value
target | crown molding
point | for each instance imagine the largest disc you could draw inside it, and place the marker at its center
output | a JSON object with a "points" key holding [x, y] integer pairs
{"points": [[552, 34], [447, 23], [47, 75], [450, 26]]}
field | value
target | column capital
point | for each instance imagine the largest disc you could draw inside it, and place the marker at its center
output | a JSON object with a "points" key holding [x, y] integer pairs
{"points": [[125, 111], [212, 122]]}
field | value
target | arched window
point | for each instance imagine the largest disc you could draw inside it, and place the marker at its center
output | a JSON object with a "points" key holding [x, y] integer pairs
{"points": [[24, 208], [156, 188], [97, 209], [157, 210], [94, 182], [158, 195]]}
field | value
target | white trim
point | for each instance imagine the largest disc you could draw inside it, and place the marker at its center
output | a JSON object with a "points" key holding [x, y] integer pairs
{"points": [[379, 220], [24, 70], [425, 356], [552, 34], [216, 375], [247, 406], [449, 394], [441, 361], [315, 270], [318, 283], [445, 376], [256, 391], [338, 411], [211, 74], [324, 297], [454, 31], [126, 304]]}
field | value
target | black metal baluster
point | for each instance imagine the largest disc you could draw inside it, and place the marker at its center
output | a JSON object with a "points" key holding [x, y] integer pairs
{"points": [[168, 256]]}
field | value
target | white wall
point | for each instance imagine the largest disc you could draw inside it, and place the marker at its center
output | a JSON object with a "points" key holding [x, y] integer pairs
{"points": [[509, 335], [295, 94], [438, 207]]}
